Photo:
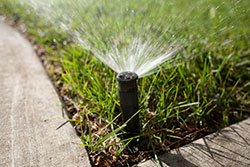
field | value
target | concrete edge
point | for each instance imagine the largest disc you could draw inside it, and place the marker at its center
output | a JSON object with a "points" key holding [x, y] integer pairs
{"points": [[227, 147], [28, 130]]}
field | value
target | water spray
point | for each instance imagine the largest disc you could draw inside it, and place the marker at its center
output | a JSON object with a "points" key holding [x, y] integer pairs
{"points": [[129, 101]]}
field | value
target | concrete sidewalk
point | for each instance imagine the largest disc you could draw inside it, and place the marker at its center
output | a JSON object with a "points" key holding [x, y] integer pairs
{"points": [[28, 108], [229, 147]]}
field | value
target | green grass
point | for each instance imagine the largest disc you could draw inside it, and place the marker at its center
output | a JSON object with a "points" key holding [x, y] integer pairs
{"points": [[203, 94]]}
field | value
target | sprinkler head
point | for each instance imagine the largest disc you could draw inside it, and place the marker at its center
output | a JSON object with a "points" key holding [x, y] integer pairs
{"points": [[129, 101], [127, 81]]}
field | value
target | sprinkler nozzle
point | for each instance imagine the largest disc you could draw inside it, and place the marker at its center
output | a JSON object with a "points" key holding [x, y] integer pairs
{"points": [[129, 101]]}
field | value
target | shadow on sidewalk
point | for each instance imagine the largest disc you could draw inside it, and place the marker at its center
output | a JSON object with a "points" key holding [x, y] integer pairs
{"points": [[228, 147]]}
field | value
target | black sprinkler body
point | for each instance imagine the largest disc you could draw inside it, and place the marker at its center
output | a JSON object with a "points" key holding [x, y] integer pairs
{"points": [[129, 101]]}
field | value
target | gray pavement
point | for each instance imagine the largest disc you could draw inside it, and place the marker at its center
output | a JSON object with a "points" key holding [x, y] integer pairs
{"points": [[229, 147], [29, 111]]}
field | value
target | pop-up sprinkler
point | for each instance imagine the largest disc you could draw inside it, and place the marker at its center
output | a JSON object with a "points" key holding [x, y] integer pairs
{"points": [[129, 101]]}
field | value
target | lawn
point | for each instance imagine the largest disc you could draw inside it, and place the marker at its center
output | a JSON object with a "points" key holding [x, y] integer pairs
{"points": [[205, 88]]}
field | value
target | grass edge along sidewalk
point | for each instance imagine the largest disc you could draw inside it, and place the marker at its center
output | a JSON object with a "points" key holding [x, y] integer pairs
{"points": [[228, 147]]}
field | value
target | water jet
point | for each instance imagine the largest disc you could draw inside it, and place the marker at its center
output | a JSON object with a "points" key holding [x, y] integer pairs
{"points": [[129, 101]]}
